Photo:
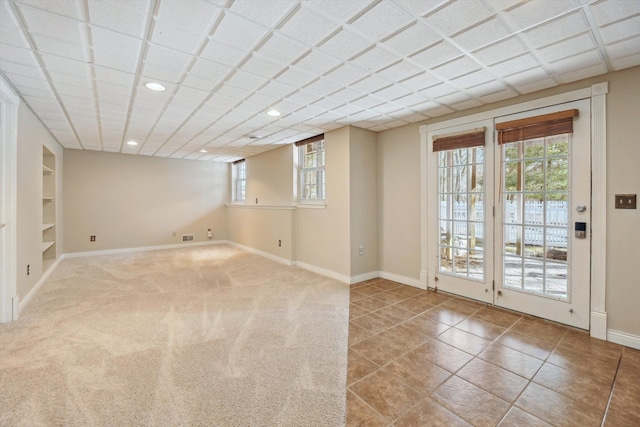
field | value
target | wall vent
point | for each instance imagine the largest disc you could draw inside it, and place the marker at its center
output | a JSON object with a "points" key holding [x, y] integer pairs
{"points": [[187, 237]]}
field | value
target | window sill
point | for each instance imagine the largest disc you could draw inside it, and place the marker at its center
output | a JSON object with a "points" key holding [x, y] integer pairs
{"points": [[311, 205]]}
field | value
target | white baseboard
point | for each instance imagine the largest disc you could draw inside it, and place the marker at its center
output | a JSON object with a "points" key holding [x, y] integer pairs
{"points": [[272, 257], [401, 279], [24, 301], [324, 272], [598, 327], [623, 338], [143, 249], [364, 276]]}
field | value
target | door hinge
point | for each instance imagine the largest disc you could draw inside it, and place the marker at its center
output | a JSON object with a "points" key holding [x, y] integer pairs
{"points": [[494, 211], [493, 285]]}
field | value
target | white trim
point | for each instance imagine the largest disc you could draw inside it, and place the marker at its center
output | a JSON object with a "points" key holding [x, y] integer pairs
{"points": [[45, 276], [266, 207], [272, 257], [141, 249], [410, 281], [598, 324], [599, 207], [311, 205], [10, 103], [424, 209], [323, 271], [623, 338], [364, 276]]}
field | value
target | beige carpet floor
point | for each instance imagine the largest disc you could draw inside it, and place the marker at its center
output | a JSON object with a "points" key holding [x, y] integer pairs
{"points": [[210, 336]]}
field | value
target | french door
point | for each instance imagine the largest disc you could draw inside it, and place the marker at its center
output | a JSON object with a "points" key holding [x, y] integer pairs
{"points": [[509, 224]]}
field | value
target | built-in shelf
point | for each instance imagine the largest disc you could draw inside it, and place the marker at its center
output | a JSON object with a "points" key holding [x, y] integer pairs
{"points": [[46, 170], [46, 245], [49, 252], [45, 227]]}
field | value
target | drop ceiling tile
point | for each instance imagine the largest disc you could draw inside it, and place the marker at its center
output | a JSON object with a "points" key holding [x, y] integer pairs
{"points": [[392, 92], [155, 72], [567, 47], [277, 90], [303, 97], [347, 94], [70, 101], [345, 44], [408, 116], [433, 109], [308, 27], [113, 76], [558, 29], [45, 44], [482, 35], [113, 50], [128, 17], [209, 70], [282, 49], [572, 63], [419, 7], [296, 77], [382, 20], [265, 13], [438, 54], [231, 91], [199, 83], [624, 48], [531, 81], [79, 92], [473, 79], [67, 8], [497, 96], [53, 26], [322, 87], [176, 38], [465, 105], [28, 82], [412, 39], [514, 65], [621, 30], [185, 103], [317, 62], [37, 93], [626, 62], [106, 89], [531, 13], [338, 10], [197, 16], [371, 84], [19, 69], [375, 59], [245, 108], [222, 53], [456, 68], [56, 124], [421, 81], [262, 99], [400, 71], [439, 90], [457, 16], [500, 51], [327, 104], [18, 55], [608, 11], [411, 99], [239, 32], [192, 94], [262, 66], [582, 73], [246, 80], [346, 74], [10, 31], [365, 102], [386, 108]]}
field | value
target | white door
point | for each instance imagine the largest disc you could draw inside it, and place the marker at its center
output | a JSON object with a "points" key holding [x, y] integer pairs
{"points": [[543, 195], [460, 223]]}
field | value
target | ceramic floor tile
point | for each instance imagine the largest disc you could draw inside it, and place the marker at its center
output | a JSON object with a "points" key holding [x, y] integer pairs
{"points": [[443, 355], [445, 315], [628, 381], [359, 414], [390, 297], [463, 341], [378, 350], [434, 298], [516, 417], [497, 317], [386, 394], [500, 382], [584, 364], [548, 331], [358, 367], [583, 343], [356, 333], [387, 284], [511, 360], [414, 305], [630, 359], [354, 295], [356, 311], [470, 402], [575, 386], [417, 372], [557, 409], [382, 319], [369, 290], [370, 303], [625, 404], [424, 326], [463, 306], [481, 328], [407, 291], [540, 348], [430, 413]]}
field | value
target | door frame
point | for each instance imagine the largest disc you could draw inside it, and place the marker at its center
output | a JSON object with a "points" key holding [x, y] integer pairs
{"points": [[597, 93], [9, 103]]}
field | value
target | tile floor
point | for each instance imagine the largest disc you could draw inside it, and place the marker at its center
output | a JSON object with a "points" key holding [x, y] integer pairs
{"points": [[420, 358]]}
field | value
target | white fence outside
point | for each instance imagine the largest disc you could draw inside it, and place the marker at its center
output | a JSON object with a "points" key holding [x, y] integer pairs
{"points": [[557, 216]]}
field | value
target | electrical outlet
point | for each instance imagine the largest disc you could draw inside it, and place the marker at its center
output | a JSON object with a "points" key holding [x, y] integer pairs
{"points": [[28, 269], [209, 233], [256, 200], [279, 243], [361, 250], [93, 238]]}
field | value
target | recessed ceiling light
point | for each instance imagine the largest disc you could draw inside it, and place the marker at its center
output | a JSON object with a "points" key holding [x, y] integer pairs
{"points": [[273, 113], [203, 151], [132, 143], [155, 86]]}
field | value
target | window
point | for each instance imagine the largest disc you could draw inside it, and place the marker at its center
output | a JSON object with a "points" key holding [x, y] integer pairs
{"points": [[241, 180], [311, 165]]}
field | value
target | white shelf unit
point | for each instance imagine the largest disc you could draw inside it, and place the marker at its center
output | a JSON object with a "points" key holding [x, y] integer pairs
{"points": [[48, 208]]}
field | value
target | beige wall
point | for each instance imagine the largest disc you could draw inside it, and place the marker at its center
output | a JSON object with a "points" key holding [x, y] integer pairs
{"points": [[270, 177], [322, 235], [263, 229], [363, 182], [135, 201], [32, 135], [399, 206]]}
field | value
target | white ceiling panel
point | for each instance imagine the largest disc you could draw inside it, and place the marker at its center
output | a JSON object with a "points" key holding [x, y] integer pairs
{"points": [[377, 64]]}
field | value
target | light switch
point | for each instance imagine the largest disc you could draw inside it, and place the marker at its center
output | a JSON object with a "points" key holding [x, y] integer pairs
{"points": [[625, 201]]}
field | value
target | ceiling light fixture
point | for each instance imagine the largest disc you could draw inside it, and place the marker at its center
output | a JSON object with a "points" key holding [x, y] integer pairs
{"points": [[203, 151], [132, 143], [155, 86], [273, 113]]}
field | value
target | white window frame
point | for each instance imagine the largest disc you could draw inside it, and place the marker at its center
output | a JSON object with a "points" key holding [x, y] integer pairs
{"points": [[239, 178], [302, 170]]}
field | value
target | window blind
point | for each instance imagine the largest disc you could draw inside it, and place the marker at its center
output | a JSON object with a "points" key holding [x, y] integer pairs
{"points": [[453, 141], [238, 161], [310, 140], [536, 127]]}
